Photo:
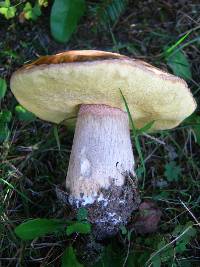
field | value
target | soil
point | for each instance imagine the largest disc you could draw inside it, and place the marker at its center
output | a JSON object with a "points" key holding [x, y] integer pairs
{"points": [[113, 211]]}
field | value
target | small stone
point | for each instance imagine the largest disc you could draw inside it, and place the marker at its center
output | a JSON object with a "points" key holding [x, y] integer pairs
{"points": [[148, 219]]}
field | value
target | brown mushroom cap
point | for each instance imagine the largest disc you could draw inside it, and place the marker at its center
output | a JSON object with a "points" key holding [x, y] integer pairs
{"points": [[53, 87]]}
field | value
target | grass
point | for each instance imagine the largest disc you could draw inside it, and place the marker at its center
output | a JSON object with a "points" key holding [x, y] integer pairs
{"points": [[34, 158]]}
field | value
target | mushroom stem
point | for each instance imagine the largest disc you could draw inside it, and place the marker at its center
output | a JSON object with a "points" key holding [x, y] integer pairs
{"points": [[100, 161]]}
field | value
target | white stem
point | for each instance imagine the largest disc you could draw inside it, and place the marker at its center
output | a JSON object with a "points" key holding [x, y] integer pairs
{"points": [[101, 153]]}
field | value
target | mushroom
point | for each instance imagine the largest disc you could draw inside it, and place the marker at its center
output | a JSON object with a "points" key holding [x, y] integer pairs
{"points": [[101, 174]]}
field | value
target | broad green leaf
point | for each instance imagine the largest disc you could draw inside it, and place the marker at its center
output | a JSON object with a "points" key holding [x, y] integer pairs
{"points": [[78, 227], [30, 12], [179, 64], [82, 214], [69, 258], [172, 171], [3, 11], [23, 114], [27, 10], [37, 228], [5, 116], [65, 15], [7, 10], [11, 12], [3, 88]]}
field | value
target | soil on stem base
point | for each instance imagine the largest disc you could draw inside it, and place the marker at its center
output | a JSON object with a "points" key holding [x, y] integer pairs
{"points": [[112, 208]]}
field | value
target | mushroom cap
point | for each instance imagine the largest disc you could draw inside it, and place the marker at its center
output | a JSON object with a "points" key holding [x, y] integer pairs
{"points": [[53, 87]]}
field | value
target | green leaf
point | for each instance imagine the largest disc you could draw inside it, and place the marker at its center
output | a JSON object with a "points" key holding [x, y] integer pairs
{"points": [[23, 114], [56, 135], [135, 135], [191, 231], [5, 116], [43, 3], [82, 214], [37, 228], [6, 3], [32, 13], [108, 12], [65, 15], [179, 64], [11, 12], [173, 47], [27, 10], [123, 230], [37, 10], [172, 171], [7, 10], [69, 258], [156, 261], [146, 127], [3, 88], [4, 132], [181, 247], [185, 263], [78, 227]]}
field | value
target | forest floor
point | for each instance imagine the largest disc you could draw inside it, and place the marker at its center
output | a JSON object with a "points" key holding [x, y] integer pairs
{"points": [[34, 159]]}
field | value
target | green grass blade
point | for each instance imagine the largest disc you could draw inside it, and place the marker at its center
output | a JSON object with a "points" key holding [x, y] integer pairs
{"points": [[171, 48], [55, 132], [135, 135], [13, 188]]}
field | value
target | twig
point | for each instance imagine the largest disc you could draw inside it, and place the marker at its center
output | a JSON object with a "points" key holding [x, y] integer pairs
{"points": [[166, 246], [154, 139], [184, 205]]}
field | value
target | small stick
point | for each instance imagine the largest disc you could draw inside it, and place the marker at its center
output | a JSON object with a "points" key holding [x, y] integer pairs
{"points": [[154, 139]]}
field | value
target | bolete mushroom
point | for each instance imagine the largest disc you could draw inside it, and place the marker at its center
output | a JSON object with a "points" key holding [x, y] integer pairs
{"points": [[88, 83]]}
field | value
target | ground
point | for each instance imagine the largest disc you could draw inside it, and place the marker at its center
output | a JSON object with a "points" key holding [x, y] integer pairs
{"points": [[33, 161]]}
